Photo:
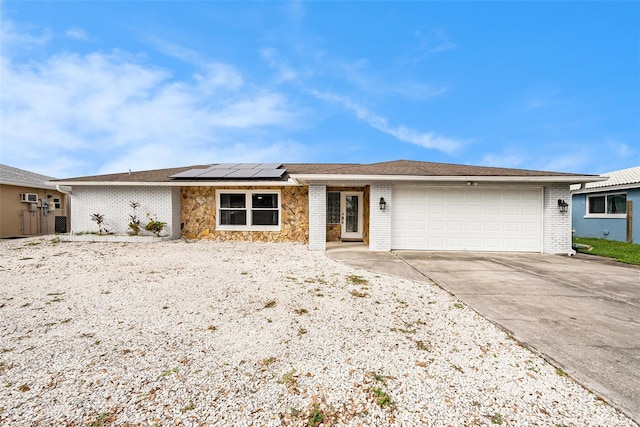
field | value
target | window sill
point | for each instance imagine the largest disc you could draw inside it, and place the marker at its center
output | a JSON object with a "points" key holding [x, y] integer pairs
{"points": [[247, 228], [606, 216]]}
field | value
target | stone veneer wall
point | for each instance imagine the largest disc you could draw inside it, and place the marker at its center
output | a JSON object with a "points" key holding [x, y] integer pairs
{"points": [[198, 215], [334, 231]]}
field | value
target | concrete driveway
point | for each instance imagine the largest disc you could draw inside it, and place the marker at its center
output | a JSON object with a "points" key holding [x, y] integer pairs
{"points": [[581, 313]]}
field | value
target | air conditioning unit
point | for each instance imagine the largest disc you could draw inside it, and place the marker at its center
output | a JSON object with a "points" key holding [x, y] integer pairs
{"points": [[29, 197]]}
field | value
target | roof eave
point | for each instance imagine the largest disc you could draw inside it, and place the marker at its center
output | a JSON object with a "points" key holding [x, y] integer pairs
{"points": [[177, 183], [43, 186], [607, 188], [569, 179]]}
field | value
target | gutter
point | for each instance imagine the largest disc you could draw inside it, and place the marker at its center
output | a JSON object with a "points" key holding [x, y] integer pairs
{"points": [[60, 190], [289, 183], [606, 188], [572, 179]]}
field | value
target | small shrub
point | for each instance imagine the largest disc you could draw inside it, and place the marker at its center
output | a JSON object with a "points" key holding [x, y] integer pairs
{"points": [[357, 280], [290, 380], [358, 294], [99, 220], [268, 361], [316, 417], [189, 407], [134, 222], [154, 225], [422, 345], [382, 398]]}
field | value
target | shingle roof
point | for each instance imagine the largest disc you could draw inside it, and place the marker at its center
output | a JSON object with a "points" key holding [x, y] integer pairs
{"points": [[392, 168], [415, 168], [628, 176], [20, 177]]}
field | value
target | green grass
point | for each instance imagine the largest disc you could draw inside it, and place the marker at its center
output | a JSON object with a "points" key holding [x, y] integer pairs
{"points": [[627, 253]]}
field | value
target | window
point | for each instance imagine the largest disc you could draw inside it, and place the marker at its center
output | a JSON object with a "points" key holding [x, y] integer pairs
{"points": [[264, 209], [56, 204], [333, 207], [609, 204], [249, 210]]}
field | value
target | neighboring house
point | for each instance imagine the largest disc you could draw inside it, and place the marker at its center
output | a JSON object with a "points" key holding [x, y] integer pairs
{"points": [[29, 206], [391, 205], [609, 209]]}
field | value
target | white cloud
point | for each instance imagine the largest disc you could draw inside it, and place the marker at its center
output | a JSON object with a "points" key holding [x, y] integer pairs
{"points": [[77, 34], [11, 36], [430, 42], [429, 139], [106, 110], [285, 72], [296, 10], [619, 148]]}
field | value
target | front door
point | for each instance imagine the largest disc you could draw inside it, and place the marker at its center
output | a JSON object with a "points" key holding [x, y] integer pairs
{"points": [[351, 215]]}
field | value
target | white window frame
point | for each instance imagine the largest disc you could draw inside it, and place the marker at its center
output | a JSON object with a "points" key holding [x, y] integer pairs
{"points": [[249, 208], [606, 201]]}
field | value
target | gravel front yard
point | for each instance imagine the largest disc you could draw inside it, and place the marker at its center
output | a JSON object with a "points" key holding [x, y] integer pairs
{"points": [[209, 333]]}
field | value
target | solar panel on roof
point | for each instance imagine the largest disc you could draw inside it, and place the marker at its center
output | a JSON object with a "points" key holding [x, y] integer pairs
{"points": [[269, 173], [191, 173], [270, 165], [248, 166], [226, 171], [242, 174], [225, 166], [216, 173]]}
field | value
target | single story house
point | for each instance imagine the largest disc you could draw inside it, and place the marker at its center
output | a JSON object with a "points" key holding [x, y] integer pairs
{"points": [[391, 205], [609, 209], [29, 206]]}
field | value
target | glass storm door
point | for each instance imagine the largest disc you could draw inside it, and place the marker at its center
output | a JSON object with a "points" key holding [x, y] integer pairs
{"points": [[351, 215]]}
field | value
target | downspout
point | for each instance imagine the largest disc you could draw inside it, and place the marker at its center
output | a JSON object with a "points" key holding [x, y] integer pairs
{"points": [[67, 205]]}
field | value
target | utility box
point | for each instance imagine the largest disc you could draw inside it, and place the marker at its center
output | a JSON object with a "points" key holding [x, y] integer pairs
{"points": [[32, 207], [61, 224], [28, 197]]}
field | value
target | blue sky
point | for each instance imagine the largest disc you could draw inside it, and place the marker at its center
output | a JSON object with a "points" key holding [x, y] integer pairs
{"points": [[100, 87]]}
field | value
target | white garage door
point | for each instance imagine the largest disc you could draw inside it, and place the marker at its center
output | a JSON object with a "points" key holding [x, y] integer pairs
{"points": [[469, 218]]}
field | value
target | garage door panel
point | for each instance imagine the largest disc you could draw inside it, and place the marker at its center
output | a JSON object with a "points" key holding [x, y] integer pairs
{"points": [[418, 225], [455, 226], [436, 226], [466, 219], [512, 227]]}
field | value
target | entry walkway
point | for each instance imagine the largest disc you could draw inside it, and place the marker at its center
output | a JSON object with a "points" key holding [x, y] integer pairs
{"points": [[581, 313]]}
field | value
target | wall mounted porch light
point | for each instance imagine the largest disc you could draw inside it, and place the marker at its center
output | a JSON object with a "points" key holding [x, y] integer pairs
{"points": [[564, 206], [383, 204]]}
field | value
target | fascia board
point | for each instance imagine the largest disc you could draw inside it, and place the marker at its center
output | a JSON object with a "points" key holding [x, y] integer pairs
{"points": [[44, 186], [607, 189], [177, 184], [305, 178]]}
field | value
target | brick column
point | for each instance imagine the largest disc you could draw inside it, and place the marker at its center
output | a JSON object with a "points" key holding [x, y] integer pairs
{"points": [[380, 220], [317, 217], [556, 224]]}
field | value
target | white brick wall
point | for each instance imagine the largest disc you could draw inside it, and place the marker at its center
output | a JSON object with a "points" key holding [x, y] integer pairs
{"points": [[380, 220], [163, 203], [317, 217], [175, 230], [556, 224]]}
